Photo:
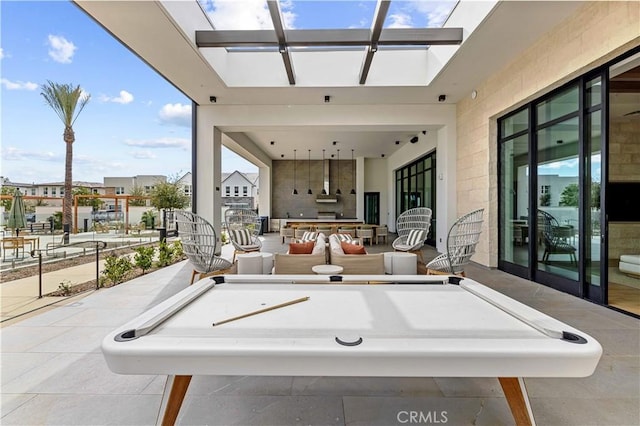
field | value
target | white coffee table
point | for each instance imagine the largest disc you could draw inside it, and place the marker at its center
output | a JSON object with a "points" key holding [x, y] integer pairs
{"points": [[327, 269]]}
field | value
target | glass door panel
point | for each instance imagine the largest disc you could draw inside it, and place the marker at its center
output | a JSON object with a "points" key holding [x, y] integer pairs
{"points": [[514, 193], [593, 172], [557, 199]]}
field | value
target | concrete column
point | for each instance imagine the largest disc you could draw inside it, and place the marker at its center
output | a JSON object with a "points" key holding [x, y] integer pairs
{"points": [[208, 171]]}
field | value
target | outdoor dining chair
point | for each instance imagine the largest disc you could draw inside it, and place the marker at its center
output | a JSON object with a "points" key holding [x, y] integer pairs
{"points": [[412, 227], [199, 244], [243, 226], [554, 237], [462, 239]]}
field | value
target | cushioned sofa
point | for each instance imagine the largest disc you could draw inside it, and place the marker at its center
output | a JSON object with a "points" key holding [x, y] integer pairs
{"points": [[354, 263], [297, 263]]}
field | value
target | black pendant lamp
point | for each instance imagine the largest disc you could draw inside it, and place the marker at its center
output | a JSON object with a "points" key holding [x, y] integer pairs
{"points": [[295, 191], [338, 192], [309, 191], [324, 191], [353, 176]]}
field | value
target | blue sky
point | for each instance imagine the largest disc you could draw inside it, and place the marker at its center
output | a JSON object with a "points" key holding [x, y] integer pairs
{"points": [[135, 123]]}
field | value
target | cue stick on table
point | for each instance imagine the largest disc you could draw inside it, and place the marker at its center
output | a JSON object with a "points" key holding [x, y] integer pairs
{"points": [[270, 308]]}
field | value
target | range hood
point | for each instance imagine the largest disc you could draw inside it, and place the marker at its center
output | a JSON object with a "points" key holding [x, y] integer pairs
{"points": [[326, 198]]}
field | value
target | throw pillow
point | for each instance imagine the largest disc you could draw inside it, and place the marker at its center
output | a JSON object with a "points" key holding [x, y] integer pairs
{"points": [[344, 237], [350, 248], [241, 236], [309, 236], [301, 248], [416, 236]]}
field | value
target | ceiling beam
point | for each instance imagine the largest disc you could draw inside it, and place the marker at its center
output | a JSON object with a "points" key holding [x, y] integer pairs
{"points": [[284, 39], [420, 36], [378, 22], [321, 38], [276, 18]]}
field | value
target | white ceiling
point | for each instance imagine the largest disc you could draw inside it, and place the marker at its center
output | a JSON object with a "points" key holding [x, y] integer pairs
{"points": [[150, 29]]}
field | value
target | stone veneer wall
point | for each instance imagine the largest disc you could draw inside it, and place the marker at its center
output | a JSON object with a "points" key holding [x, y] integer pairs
{"points": [[624, 149], [624, 238], [624, 166], [596, 33], [304, 206]]}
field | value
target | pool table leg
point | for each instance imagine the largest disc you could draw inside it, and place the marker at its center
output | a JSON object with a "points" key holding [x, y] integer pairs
{"points": [[179, 386], [516, 394]]}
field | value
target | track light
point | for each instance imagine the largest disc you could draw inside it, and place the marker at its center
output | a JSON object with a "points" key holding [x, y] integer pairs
{"points": [[213, 99], [327, 98], [442, 98], [414, 139]]}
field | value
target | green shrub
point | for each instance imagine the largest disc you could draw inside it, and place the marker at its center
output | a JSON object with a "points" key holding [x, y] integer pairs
{"points": [[65, 287], [143, 258], [116, 268], [165, 254], [177, 250]]}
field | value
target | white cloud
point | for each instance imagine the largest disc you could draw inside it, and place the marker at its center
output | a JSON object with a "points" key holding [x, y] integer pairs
{"points": [[436, 11], [176, 114], [1, 53], [60, 49], [400, 20], [124, 98], [18, 85], [14, 154], [246, 14], [143, 155], [159, 143]]}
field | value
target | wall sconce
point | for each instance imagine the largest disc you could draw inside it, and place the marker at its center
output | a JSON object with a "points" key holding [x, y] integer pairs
{"points": [[353, 176], [309, 191], [338, 192], [295, 191]]}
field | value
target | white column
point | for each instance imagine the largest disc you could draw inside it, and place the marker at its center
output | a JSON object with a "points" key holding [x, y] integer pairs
{"points": [[360, 188], [208, 170], [446, 180], [264, 186]]}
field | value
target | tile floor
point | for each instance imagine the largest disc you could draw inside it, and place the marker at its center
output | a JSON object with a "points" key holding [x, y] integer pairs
{"points": [[53, 372]]}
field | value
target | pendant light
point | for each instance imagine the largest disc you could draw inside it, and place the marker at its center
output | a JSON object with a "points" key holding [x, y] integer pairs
{"points": [[309, 191], [338, 192], [295, 191], [324, 191], [353, 176]]}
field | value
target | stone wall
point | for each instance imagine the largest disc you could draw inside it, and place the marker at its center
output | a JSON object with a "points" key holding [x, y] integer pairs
{"points": [[304, 206], [624, 238], [595, 34], [624, 149]]}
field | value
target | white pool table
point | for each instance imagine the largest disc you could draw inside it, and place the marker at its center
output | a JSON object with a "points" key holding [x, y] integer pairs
{"points": [[372, 326]]}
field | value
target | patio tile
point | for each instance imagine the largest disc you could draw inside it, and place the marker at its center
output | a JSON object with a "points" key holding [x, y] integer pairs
{"points": [[262, 410], [77, 374], [85, 410], [376, 411]]}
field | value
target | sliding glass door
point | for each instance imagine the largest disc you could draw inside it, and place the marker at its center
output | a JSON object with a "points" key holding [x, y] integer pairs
{"points": [[549, 195]]}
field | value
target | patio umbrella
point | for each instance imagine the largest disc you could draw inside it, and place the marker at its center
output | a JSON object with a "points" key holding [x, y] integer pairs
{"points": [[17, 218]]}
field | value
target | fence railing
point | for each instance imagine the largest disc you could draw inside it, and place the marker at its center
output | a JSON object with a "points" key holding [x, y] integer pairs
{"points": [[93, 244]]}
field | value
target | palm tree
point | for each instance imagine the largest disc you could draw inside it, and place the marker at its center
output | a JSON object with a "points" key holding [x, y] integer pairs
{"points": [[67, 101]]}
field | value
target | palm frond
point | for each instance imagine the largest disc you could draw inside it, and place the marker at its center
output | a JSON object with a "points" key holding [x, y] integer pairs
{"points": [[66, 101]]}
